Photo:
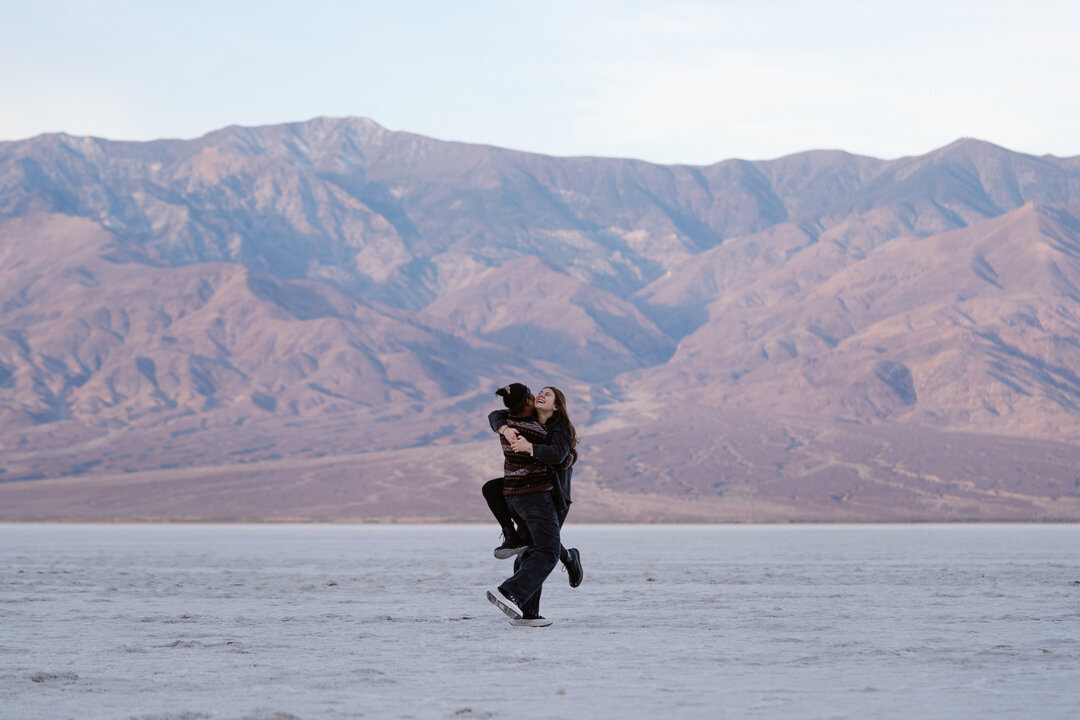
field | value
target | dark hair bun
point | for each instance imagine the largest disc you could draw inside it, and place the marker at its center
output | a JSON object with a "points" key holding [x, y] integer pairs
{"points": [[514, 396]]}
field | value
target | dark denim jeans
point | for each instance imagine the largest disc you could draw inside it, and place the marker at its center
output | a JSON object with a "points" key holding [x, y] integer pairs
{"points": [[533, 566], [493, 494]]}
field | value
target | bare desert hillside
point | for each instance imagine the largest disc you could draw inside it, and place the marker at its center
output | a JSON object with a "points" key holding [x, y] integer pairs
{"points": [[307, 322]]}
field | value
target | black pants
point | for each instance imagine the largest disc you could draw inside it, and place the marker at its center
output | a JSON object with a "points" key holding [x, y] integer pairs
{"points": [[493, 494], [533, 566]]}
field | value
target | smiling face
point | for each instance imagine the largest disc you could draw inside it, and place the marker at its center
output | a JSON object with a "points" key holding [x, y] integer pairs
{"points": [[545, 400]]}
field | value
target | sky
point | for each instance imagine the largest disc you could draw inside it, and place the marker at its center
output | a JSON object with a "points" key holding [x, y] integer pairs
{"points": [[690, 82]]}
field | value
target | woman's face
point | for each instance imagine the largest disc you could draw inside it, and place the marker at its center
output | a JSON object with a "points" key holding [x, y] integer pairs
{"points": [[545, 400]]}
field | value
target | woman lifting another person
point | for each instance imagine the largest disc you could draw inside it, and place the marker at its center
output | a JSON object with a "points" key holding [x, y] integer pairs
{"points": [[538, 441]]}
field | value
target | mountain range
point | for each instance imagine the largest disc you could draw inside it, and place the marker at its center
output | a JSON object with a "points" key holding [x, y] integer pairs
{"points": [[307, 322]]}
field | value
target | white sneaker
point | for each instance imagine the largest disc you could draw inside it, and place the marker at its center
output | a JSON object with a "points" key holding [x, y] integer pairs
{"points": [[504, 603], [530, 622]]}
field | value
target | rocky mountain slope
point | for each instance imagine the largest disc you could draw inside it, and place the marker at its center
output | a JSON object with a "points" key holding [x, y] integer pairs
{"points": [[319, 293]]}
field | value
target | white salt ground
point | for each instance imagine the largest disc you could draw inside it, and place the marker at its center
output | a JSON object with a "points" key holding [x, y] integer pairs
{"points": [[228, 622]]}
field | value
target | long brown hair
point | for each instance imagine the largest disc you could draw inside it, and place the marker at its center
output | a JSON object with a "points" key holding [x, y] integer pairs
{"points": [[561, 415]]}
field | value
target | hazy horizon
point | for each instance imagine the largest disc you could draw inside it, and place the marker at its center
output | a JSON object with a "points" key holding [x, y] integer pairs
{"points": [[693, 84]]}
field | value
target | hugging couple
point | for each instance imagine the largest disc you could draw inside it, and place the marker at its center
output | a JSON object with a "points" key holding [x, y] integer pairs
{"points": [[532, 498]]}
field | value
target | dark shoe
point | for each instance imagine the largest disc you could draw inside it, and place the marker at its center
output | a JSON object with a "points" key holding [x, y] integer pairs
{"points": [[573, 568], [513, 545], [505, 602], [530, 622]]}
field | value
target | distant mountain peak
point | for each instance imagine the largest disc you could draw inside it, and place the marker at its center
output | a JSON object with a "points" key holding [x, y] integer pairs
{"points": [[973, 147]]}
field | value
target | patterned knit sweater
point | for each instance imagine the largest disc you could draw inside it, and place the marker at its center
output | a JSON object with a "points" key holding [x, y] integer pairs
{"points": [[522, 472]]}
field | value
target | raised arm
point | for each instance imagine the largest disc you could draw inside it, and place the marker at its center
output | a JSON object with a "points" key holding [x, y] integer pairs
{"points": [[497, 418]]}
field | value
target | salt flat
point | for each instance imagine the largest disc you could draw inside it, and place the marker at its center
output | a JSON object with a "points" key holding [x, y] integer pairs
{"points": [[317, 621]]}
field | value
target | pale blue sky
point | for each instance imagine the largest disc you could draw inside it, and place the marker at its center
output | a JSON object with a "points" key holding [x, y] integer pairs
{"points": [[689, 82]]}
